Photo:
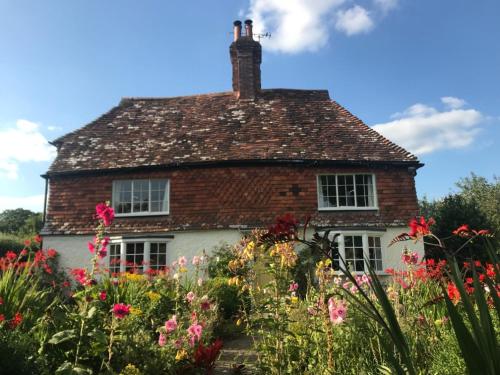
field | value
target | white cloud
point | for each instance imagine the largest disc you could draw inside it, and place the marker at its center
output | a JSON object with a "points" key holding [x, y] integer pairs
{"points": [[296, 25], [386, 5], [53, 128], [422, 129], [21, 144], [353, 21], [306, 25], [452, 102], [33, 203]]}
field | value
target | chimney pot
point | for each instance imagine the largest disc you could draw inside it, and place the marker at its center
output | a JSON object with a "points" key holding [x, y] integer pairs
{"points": [[249, 28], [237, 30]]}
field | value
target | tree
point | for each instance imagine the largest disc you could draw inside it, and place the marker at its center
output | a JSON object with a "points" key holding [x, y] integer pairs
{"points": [[476, 204], [11, 221]]}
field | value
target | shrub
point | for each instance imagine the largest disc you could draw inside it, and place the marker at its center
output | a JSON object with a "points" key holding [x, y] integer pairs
{"points": [[10, 242]]}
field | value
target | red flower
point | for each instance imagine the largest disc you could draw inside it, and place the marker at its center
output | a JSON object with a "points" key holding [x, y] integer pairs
{"points": [[11, 256], [284, 227], [205, 357], [105, 213], [23, 252], [103, 295], [51, 253], [38, 238], [91, 247], [453, 293], [482, 232], [462, 230], [80, 275], [120, 310], [420, 227], [16, 320], [2, 318], [27, 242]]}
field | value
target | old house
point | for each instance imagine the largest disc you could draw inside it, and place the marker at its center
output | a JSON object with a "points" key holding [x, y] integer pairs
{"points": [[185, 173]]}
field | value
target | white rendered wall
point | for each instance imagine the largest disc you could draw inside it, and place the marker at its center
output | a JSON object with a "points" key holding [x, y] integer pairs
{"points": [[74, 252]]}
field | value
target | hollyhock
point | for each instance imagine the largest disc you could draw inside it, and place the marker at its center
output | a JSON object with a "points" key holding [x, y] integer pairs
{"points": [[178, 343], [27, 242], [293, 287], [171, 324], [195, 330], [337, 311], [102, 295], [205, 303], [38, 238], [409, 258], [51, 253], [120, 310], [105, 213], [196, 260], [162, 340], [80, 275], [190, 297], [91, 247]]}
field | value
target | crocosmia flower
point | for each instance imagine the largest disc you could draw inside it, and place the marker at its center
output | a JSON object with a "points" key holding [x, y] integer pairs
{"points": [[120, 310]]}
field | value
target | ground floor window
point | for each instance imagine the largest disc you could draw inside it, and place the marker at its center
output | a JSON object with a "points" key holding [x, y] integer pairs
{"points": [[137, 256], [354, 248]]}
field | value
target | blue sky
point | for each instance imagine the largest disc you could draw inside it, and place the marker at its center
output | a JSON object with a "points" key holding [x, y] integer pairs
{"points": [[424, 73]]}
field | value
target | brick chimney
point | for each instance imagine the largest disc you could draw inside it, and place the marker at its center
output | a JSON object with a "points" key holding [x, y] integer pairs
{"points": [[246, 56]]}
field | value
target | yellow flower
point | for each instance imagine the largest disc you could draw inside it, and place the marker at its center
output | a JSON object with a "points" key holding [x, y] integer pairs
{"points": [[182, 269], [130, 369], [238, 322], [286, 252], [135, 311], [248, 251], [294, 299], [153, 296], [181, 354], [134, 276]]}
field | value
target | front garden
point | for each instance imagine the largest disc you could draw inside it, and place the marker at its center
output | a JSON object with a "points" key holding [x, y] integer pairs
{"points": [[305, 311]]}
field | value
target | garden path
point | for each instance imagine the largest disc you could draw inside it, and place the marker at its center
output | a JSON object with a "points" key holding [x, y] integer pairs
{"points": [[237, 356]]}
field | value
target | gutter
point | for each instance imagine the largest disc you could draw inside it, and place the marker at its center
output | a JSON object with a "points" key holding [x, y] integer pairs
{"points": [[414, 165]]}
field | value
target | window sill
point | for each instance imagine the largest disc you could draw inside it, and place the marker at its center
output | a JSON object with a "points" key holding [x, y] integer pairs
{"points": [[348, 208], [141, 214]]}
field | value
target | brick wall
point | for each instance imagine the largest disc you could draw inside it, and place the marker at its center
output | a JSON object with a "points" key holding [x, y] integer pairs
{"points": [[213, 197]]}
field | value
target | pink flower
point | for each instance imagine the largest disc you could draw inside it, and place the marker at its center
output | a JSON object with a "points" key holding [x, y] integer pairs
{"points": [[337, 311], [162, 340], [91, 247], [103, 295], [182, 261], [190, 297], [196, 260], [293, 287], [205, 303], [51, 253], [80, 275], [194, 331], [120, 310], [102, 253], [409, 258], [178, 343], [105, 213], [171, 324]]}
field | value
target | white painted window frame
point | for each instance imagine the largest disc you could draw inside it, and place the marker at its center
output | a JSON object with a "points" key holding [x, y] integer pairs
{"points": [[149, 213], [366, 251], [147, 248], [346, 208]]}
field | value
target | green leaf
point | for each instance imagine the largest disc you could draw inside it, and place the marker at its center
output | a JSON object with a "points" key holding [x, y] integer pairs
{"points": [[91, 312], [62, 336]]}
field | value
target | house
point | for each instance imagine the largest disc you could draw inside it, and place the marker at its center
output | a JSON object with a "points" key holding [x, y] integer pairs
{"points": [[186, 173]]}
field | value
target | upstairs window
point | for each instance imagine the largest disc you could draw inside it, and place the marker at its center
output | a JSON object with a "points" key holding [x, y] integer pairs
{"points": [[346, 192], [140, 197]]}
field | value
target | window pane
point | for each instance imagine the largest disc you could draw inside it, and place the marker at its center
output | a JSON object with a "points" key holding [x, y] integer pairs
{"points": [[114, 258], [353, 246], [375, 253], [122, 197], [328, 191], [158, 255], [134, 256]]}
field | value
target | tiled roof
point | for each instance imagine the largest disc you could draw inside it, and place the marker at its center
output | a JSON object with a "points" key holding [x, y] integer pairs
{"points": [[281, 124]]}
